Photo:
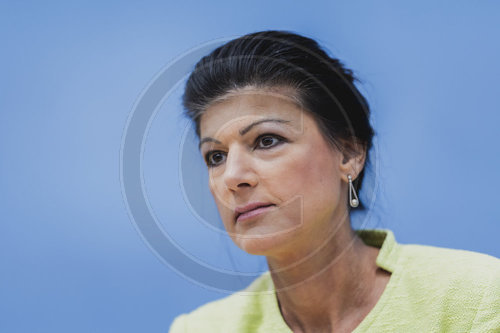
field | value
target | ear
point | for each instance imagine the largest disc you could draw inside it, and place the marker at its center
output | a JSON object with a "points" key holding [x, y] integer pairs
{"points": [[353, 157]]}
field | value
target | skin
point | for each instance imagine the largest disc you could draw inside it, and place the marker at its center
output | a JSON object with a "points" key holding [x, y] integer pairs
{"points": [[306, 237]]}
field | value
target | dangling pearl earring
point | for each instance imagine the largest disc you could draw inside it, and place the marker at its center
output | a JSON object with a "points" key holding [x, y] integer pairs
{"points": [[354, 202]]}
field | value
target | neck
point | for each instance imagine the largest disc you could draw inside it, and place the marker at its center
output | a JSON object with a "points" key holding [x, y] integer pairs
{"points": [[334, 288]]}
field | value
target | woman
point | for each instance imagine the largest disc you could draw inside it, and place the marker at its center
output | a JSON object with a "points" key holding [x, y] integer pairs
{"points": [[286, 135]]}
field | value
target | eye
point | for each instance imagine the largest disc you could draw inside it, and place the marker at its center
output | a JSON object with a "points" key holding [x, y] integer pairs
{"points": [[266, 141], [214, 158]]}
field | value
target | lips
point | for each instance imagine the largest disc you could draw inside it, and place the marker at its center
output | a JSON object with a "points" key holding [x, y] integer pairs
{"points": [[254, 206]]}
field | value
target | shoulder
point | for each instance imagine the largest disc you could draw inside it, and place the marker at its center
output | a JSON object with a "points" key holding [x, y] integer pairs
{"points": [[235, 312], [463, 286], [450, 264]]}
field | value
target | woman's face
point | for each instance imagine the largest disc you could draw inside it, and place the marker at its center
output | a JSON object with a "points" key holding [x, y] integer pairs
{"points": [[262, 149]]}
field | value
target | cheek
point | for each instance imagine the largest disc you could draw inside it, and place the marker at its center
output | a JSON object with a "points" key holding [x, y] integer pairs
{"points": [[217, 194], [307, 172], [222, 200], [313, 176]]}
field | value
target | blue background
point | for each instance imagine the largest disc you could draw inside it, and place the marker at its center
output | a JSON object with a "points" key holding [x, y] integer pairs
{"points": [[72, 260]]}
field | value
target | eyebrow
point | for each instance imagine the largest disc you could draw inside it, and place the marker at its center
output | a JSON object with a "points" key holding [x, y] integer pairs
{"points": [[246, 129]]}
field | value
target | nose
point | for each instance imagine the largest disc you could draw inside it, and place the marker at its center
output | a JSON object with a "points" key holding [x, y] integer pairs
{"points": [[238, 170]]}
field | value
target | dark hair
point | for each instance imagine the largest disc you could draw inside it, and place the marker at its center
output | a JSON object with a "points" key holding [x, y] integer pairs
{"points": [[274, 58]]}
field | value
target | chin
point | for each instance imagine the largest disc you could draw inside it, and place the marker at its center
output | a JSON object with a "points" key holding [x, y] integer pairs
{"points": [[270, 234], [258, 247], [263, 244]]}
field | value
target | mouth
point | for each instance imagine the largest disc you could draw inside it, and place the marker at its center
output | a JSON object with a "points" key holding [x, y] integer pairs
{"points": [[252, 210]]}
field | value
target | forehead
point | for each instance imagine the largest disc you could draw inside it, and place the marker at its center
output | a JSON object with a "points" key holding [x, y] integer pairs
{"points": [[246, 105]]}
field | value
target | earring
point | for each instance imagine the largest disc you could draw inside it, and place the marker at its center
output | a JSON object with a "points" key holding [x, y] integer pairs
{"points": [[354, 202]]}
